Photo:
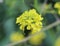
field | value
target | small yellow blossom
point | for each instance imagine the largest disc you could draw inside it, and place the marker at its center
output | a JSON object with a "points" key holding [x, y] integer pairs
{"points": [[14, 37], [31, 19], [37, 39], [59, 12], [57, 43], [57, 5], [28, 27]]}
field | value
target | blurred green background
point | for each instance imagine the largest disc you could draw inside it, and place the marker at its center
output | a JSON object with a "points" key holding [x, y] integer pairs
{"points": [[11, 9]]}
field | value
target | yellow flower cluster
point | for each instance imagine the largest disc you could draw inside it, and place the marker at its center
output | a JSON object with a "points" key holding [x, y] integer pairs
{"points": [[57, 5], [31, 19], [16, 36], [57, 43]]}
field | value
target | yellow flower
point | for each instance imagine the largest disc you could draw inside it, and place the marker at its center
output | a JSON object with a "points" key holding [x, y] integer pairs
{"points": [[57, 43], [14, 37], [57, 5], [59, 12], [28, 27], [31, 19], [37, 39]]}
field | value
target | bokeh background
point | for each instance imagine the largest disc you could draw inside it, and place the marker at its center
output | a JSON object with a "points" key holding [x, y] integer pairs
{"points": [[11, 9]]}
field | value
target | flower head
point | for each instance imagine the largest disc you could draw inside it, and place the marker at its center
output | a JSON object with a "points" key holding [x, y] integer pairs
{"points": [[15, 37], [59, 12], [57, 5], [31, 19], [37, 39]]}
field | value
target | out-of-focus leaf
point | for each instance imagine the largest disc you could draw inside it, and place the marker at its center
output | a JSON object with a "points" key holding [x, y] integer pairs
{"points": [[50, 38], [2, 13], [50, 18], [58, 30], [14, 7]]}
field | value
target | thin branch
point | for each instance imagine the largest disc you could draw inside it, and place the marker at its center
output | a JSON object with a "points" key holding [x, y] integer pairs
{"points": [[27, 38]]}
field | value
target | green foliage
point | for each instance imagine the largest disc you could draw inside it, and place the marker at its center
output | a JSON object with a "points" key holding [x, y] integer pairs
{"points": [[11, 9]]}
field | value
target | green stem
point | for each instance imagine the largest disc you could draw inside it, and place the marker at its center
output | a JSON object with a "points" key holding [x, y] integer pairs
{"points": [[35, 3]]}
